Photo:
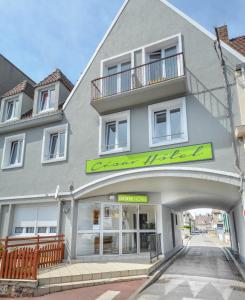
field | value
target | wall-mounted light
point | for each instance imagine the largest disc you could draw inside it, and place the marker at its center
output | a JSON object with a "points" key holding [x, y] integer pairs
{"points": [[112, 197]]}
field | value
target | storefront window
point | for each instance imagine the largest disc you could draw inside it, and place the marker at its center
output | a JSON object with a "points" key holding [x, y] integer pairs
{"points": [[89, 216], [111, 243], [88, 244], [113, 228], [111, 217], [129, 243], [147, 217], [144, 241], [129, 217]]}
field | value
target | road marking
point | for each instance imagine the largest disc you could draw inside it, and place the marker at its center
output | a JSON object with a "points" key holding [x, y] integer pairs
{"points": [[192, 299], [196, 287], [224, 291], [149, 297], [108, 295], [172, 285]]}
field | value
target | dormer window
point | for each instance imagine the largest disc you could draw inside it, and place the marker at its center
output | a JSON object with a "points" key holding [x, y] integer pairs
{"points": [[11, 109], [46, 100]]}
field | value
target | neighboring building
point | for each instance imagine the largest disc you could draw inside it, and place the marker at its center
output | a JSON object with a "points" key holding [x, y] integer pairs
{"points": [[188, 223], [10, 75], [203, 222], [146, 133], [238, 43]]}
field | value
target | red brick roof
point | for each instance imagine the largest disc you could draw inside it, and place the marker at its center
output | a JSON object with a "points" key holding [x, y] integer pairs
{"points": [[23, 87], [238, 44], [57, 75]]}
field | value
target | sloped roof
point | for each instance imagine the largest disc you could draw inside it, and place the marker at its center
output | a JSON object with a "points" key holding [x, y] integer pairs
{"points": [[23, 87], [228, 47], [57, 75], [238, 44]]}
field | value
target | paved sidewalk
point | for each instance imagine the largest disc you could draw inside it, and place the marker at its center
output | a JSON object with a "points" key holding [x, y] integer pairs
{"points": [[80, 275]]}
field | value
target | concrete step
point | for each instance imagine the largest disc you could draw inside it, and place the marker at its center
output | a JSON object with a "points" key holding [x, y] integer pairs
{"points": [[58, 287], [90, 277]]}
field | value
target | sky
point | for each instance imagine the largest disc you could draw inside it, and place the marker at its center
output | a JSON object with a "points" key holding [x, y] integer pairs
{"points": [[41, 35]]}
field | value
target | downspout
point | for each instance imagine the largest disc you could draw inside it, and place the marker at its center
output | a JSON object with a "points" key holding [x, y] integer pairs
{"points": [[230, 115]]}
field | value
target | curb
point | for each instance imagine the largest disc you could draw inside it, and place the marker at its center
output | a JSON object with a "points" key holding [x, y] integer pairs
{"points": [[162, 268], [235, 261]]}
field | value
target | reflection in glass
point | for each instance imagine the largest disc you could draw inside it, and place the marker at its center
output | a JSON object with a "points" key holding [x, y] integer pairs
{"points": [[175, 123], [111, 217], [171, 67], [88, 244], [111, 243], [122, 133], [129, 217], [144, 241], [160, 126], [89, 216], [129, 243], [147, 217]]}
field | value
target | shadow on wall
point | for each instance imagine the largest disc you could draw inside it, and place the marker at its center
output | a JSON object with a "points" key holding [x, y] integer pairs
{"points": [[211, 101]]}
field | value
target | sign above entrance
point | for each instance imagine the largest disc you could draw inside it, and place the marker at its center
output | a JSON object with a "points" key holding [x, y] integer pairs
{"points": [[149, 159], [126, 198]]}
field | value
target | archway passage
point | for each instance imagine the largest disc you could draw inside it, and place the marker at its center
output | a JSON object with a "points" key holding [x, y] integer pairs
{"points": [[178, 193]]}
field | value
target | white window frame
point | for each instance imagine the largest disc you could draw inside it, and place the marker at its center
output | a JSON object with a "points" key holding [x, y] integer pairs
{"points": [[168, 105], [16, 108], [35, 225], [40, 92], [117, 117], [6, 151], [46, 140], [174, 40]]}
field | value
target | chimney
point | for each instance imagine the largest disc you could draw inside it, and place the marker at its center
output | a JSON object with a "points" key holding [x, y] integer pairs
{"points": [[223, 33]]}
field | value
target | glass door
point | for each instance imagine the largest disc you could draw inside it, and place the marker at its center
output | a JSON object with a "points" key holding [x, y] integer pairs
{"points": [[171, 65]]}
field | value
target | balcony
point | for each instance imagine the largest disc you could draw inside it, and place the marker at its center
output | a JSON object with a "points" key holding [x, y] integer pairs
{"points": [[163, 78]]}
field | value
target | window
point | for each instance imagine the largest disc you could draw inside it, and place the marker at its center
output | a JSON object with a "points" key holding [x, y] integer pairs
{"points": [[10, 109], [53, 229], [115, 132], [32, 219], [112, 228], [13, 151], [18, 230], [46, 100], [42, 229], [55, 144], [167, 123], [30, 230], [163, 64], [118, 78]]}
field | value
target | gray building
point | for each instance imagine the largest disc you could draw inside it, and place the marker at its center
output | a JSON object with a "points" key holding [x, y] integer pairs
{"points": [[10, 75], [147, 132]]}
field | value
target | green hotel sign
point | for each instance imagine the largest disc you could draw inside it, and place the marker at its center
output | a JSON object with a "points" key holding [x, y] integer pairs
{"points": [[150, 159], [126, 198]]}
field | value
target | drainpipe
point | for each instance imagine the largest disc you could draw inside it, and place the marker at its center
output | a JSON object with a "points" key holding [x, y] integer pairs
{"points": [[229, 102]]}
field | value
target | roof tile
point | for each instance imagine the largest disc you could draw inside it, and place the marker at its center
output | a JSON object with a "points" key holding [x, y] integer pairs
{"points": [[57, 75], [23, 87]]}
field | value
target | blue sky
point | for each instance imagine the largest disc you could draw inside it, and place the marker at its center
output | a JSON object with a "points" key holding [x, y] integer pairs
{"points": [[39, 36]]}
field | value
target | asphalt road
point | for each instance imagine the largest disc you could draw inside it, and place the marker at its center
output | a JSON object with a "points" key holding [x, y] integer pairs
{"points": [[203, 272]]}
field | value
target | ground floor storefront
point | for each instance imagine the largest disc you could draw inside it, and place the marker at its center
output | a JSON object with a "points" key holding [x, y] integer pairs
{"points": [[115, 218]]}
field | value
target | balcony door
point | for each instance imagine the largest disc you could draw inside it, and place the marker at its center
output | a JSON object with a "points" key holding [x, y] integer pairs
{"points": [[162, 64], [118, 79]]}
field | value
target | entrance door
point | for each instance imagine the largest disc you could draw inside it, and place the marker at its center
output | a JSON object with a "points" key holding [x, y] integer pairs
{"points": [[173, 230]]}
